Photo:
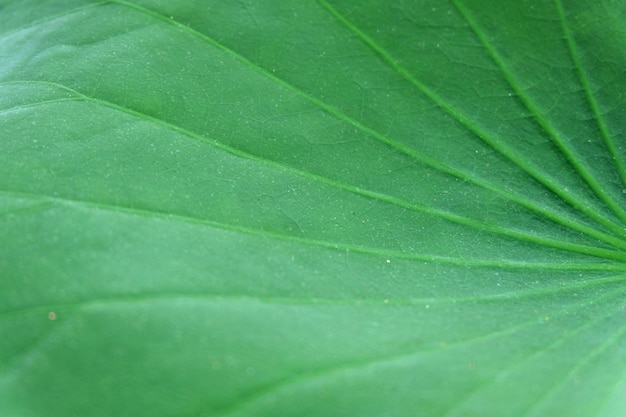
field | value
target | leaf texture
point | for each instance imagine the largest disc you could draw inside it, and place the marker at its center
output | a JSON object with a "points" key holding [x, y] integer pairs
{"points": [[276, 208]]}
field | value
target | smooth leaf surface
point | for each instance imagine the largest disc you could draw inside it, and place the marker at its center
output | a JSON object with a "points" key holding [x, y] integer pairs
{"points": [[373, 208]]}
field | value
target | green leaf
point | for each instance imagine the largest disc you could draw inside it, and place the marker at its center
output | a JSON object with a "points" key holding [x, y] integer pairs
{"points": [[321, 208]]}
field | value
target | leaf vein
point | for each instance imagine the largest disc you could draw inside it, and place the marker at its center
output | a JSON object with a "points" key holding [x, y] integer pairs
{"points": [[464, 221], [423, 159], [386, 254], [505, 151], [570, 155]]}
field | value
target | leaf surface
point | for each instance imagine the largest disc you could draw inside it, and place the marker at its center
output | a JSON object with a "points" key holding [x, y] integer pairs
{"points": [[382, 208]]}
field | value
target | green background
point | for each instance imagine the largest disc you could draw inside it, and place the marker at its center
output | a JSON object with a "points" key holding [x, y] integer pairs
{"points": [[316, 208]]}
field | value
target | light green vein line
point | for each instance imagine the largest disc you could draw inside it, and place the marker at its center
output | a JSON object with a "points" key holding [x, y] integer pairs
{"points": [[9, 365], [503, 150], [553, 216], [616, 392], [38, 103], [52, 17], [380, 302], [538, 240], [384, 254], [325, 373], [572, 158], [583, 363], [328, 373], [595, 108], [564, 337], [31, 208]]}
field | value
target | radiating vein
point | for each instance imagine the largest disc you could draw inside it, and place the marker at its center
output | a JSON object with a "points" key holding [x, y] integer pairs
{"points": [[571, 156], [258, 394], [39, 103], [522, 201], [582, 363], [532, 355], [531, 170], [615, 392], [464, 221], [593, 103], [383, 253], [12, 364], [519, 200], [53, 17], [356, 302], [336, 369], [28, 209]]}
